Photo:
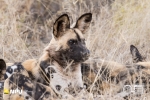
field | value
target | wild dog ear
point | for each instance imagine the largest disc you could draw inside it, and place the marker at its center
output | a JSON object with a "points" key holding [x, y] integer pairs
{"points": [[2, 66], [61, 25], [136, 56], [83, 22]]}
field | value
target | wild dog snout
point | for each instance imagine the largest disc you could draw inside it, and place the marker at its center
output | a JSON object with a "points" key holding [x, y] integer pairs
{"points": [[85, 54]]}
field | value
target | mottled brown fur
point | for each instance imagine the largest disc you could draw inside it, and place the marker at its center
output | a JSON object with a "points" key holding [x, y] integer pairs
{"points": [[2, 69], [64, 55]]}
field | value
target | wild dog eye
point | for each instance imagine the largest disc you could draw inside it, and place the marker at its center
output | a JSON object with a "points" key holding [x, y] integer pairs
{"points": [[72, 42]]}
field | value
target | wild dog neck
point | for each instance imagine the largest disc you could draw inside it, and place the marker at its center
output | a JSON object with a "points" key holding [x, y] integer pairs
{"points": [[71, 68], [60, 64], [70, 74]]}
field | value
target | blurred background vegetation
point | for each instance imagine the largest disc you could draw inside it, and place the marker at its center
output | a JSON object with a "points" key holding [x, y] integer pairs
{"points": [[26, 27]]}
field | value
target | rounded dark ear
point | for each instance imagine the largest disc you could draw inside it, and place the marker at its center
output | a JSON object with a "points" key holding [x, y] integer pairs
{"points": [[83, 22], [2, 64], [136, 56], [61, 25]]}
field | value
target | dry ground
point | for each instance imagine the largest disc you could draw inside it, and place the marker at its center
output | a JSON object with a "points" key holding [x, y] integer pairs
{"points": [[26, 27]]}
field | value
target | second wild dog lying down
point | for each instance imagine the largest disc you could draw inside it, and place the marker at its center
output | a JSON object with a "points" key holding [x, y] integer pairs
{"points": [[138, 74], [111, 77], [60, 65], [141, 65]]}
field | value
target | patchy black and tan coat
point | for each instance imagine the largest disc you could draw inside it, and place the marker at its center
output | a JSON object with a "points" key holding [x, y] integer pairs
{"points": [[108, 76], [59, 67]]}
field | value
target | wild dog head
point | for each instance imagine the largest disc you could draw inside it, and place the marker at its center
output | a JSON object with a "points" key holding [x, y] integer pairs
{"points": [[68, 43]]}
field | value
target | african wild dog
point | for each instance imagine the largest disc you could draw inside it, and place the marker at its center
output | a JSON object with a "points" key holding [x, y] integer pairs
{"points": [[112, 76], [136, 74], [60, 64], [143, 66]]}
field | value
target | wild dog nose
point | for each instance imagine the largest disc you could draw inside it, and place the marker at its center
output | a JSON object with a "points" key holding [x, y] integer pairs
{"points": [[86, 53]]}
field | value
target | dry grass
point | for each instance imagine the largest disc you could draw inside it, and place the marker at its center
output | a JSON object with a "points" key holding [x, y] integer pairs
{"points": [[25, 27]]}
